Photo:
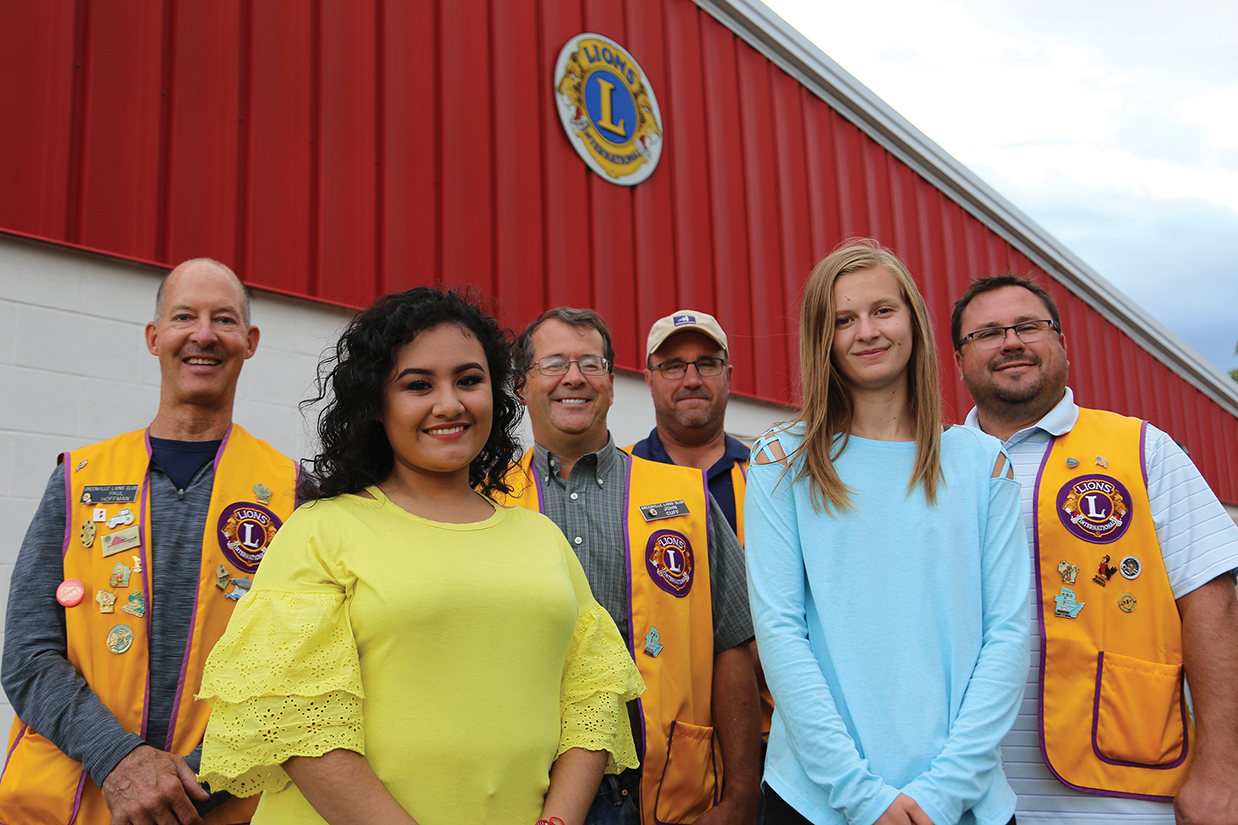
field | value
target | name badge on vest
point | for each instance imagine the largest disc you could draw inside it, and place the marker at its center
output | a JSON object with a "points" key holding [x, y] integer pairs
{"points": [[665, 509], [109, 493]]}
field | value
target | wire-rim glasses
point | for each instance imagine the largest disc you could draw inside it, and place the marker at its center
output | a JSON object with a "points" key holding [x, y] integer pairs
{"points": [[1029, 332], [557, 365]]}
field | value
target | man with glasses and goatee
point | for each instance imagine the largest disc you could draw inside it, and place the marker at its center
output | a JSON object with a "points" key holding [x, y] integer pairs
{"points": [[1132, 586], [662, 560]]}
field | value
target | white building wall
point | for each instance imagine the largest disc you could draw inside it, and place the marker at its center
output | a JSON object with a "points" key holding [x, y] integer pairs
{"points": [[75, 370]]}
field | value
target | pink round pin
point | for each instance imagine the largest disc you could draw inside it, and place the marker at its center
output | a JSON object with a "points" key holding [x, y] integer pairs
{"points": [[70, 592]]}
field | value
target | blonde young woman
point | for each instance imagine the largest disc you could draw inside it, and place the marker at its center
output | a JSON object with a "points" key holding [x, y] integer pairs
{"points": [[888, 572]]}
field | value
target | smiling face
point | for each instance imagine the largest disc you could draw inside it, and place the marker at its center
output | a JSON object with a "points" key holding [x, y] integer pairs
{"points": [[200, 338], [1016, 382], [438, 406], [568, 412], [873, 335], [691, 407]]}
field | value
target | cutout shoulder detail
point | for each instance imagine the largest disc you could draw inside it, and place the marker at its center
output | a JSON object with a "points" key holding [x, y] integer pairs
{"points": [[769, 451], [1003, 464]]}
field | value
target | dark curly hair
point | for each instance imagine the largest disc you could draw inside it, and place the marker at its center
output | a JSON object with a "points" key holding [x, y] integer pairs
{"points": [[355, 452]]}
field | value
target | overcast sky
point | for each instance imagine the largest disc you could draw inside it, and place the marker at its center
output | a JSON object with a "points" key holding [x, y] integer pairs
{"points": [[1114, 125]]}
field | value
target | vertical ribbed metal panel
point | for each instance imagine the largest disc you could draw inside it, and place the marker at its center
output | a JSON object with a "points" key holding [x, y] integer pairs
{"points": [[340, 150]]}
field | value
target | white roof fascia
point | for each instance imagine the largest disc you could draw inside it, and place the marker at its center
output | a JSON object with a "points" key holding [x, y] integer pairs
{"points": [[769, 34]]}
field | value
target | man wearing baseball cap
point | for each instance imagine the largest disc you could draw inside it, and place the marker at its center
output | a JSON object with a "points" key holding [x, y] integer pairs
{"points": [[689, 375]]}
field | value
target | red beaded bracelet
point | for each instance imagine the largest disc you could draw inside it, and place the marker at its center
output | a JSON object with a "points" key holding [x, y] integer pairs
{"points": [[554, 820]]}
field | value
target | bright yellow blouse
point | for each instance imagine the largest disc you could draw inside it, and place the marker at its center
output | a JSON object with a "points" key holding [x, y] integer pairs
{"points": [[461, 659]]}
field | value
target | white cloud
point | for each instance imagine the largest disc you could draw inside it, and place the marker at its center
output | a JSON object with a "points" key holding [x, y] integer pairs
{"points": [[1113, 123], [1217, 112]]}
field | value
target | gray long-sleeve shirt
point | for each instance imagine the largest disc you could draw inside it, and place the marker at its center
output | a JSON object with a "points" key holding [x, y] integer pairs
{"points": [[46, 691]]}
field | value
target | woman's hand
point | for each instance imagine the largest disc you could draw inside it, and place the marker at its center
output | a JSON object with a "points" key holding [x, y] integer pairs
{"points": [[904, 811]]}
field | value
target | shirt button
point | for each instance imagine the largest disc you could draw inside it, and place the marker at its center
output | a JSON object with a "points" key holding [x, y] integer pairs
{"points": [[577, 540], [575, 496], [600, 482]]}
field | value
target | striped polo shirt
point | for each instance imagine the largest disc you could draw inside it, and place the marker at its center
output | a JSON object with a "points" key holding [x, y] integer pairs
{"points": [[1199, 541]]}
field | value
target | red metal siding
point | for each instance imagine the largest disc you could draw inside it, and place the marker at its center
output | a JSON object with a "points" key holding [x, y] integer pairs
{"points": [[341, 150]]}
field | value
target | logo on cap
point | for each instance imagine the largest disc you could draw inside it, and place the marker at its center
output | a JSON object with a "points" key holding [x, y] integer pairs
{"points": [[680, 320]]}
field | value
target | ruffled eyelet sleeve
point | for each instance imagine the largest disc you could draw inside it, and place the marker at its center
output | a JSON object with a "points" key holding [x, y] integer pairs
{"points": [[283, 681], [599, 679]]}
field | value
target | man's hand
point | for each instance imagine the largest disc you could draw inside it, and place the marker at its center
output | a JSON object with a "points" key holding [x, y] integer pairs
{"points": [[727, 812], [1208, 800], [904, 811], [152, 786]]}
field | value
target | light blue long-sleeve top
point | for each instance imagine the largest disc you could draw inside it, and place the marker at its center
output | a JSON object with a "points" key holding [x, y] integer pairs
{"points": [[894, 635]]}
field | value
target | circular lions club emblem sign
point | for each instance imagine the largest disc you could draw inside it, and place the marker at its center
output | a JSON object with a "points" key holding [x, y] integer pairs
{"points": [[1095, 508], [668, 558], [608, 109], [245, 532]]}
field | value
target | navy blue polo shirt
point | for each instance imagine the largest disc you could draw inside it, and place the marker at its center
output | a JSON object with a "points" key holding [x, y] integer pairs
{"points": [[718, 477]]}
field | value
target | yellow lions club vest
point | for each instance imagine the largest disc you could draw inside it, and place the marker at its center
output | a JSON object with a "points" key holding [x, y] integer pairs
{"points": [[106, 548], [667, 563], [1113, 717], [739, 481]]}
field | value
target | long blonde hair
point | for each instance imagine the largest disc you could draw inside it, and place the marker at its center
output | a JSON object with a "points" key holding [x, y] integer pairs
{"points": [[828, 404]]}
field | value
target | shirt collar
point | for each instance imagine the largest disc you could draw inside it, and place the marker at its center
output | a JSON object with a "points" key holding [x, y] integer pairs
{"points": [[599, 462], [1057, 421], [733, 450]]}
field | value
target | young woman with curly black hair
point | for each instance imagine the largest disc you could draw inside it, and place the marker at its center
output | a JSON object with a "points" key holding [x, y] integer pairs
{"points": [[410, 651]]}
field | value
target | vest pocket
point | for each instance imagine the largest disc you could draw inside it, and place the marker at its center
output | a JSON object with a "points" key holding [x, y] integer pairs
{"points": [[1140, 716], [689, 785], [40, 783]]}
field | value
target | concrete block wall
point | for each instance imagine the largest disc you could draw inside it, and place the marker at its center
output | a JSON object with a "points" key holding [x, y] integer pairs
{"points": [[75, 369]]}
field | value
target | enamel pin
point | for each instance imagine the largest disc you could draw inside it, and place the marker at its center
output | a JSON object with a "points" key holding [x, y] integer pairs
{"points": [[120, 638], [652, 647], [107, 601], [1104, 571], [120, 575], [1067, 605], [136, 605]]}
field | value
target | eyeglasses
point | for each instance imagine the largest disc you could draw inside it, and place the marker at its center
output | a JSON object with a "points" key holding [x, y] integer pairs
{"points": [[1028, 332], [558, 365], [705, 367]]}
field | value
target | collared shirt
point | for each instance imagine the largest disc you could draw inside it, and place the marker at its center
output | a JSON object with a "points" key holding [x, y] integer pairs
{"points": [[588, 507], [1199, 542], [718, 477]]}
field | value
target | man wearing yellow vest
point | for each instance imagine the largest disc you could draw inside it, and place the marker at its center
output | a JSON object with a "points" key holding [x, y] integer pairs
{"points": [[688, 371], [662, 560], [139, 549], [1132, 586]]}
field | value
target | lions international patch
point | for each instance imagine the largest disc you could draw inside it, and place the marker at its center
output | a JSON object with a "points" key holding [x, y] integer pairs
{"points": [[608, 109], [1095, 508], [245, 532], [668, 558]]}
